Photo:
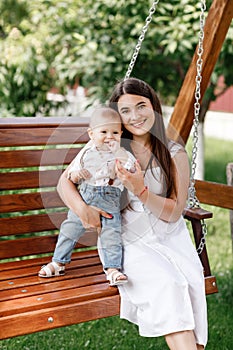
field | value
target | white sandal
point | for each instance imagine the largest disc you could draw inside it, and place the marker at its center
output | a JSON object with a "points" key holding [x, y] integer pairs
{"points": [[52, 269], [113, 276]]}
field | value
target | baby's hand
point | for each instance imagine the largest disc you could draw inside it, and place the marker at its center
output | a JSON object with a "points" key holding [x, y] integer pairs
{"points": [[126, 162], [77, 175], [114, 146], [130, 166]]}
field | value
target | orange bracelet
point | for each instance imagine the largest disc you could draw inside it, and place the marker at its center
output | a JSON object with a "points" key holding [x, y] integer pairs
{"points": [[144, 190]]}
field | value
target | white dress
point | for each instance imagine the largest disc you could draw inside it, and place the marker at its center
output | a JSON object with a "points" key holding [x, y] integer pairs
{"points": [[165, 292]]}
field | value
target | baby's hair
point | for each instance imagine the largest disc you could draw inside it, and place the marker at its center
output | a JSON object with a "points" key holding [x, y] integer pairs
{"points": [[104, 115]]}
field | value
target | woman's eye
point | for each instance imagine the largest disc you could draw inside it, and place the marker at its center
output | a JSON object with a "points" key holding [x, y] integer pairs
{"points": [[141, 107], [124, 111]]}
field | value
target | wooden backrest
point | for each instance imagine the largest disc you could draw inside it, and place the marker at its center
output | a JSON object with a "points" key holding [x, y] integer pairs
{"points": [[33, 154]]}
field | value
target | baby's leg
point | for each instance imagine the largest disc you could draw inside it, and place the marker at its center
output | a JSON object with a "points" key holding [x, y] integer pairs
{"points": [[70, 232]]}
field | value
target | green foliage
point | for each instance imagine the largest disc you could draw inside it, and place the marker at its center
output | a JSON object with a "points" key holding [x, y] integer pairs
{"points": [[23, 74], [54, 43]]}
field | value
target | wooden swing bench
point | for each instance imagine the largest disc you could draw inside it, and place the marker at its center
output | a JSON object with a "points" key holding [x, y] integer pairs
{"points": [[32, 156]]}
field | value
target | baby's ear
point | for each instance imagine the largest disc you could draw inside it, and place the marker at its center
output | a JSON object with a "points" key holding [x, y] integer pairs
{"points": [[90, 132]]}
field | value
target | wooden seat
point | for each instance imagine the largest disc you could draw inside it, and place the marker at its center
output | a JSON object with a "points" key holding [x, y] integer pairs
{"points": [[29, 303], [33, 154]]}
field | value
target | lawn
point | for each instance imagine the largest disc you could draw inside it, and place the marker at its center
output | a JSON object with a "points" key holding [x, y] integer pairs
{"points": [[116, 334]]}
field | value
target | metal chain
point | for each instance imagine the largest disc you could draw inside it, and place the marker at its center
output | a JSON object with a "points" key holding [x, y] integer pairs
{"points": [[141, 38], [203, 238], [192, 199]]}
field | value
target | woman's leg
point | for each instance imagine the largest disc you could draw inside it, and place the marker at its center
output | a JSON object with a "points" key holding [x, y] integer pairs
{"points": [[181, 341], [200, 347]]}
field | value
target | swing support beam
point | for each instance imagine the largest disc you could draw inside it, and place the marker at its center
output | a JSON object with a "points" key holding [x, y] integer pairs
{"points": [[217, 23], [216, 26]]}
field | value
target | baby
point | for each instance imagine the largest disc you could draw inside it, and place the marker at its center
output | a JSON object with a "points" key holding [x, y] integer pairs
{"points": [[93, 170]]}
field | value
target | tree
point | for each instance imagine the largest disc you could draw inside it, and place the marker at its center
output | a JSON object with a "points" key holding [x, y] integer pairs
{"points": [[49, 44]]}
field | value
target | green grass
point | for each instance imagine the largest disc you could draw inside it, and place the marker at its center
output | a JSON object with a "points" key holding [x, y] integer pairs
{"points": [[218, 153], [116, 334]]}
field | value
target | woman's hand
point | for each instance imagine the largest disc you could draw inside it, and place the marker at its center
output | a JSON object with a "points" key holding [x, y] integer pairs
{"points": [[134, 182], [90, 216]]}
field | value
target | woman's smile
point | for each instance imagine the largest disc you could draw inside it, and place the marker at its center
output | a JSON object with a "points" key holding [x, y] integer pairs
{"points": [[138, 124]]}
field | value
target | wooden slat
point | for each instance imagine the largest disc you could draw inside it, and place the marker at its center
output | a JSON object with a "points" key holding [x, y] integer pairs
{"points": [[20, 265], [39, 245], [29, 275], [20, 247], [217, 23], [42, 136], [40, 122], [31, 223], [31, 158], [30, 289], [29, 201], [29, 179], [54, 299], [60, 316], [214, 193]]}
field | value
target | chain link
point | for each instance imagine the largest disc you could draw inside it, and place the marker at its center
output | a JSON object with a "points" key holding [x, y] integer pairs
{"points": [[192, 199], [203, 238], [140, 39]]}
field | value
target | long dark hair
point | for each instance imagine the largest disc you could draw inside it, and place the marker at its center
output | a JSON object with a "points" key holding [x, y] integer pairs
{"points": [[158, 138]]}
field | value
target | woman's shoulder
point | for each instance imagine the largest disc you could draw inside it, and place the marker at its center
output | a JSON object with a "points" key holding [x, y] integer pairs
{"points": [[175, 147]]}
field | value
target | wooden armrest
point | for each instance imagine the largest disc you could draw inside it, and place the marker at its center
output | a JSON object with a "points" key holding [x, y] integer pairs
{"points": [[197, 213]]}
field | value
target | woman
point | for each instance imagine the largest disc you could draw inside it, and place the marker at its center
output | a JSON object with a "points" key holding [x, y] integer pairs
{"points": [[165, 294]]}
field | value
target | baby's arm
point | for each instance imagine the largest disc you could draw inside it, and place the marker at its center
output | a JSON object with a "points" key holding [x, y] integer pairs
{"points": [[77, 175], [76, 172], [124, 157]]}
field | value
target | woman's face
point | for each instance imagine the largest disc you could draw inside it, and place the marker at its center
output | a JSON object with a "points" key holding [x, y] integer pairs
{"points": [[136, 113]]}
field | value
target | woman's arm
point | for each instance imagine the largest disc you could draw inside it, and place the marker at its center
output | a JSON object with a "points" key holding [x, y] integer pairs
{"points": [[167, 209], [89, 215]]}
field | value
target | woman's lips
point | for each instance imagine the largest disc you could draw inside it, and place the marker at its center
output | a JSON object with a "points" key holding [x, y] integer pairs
{"points": [[138, 124]]}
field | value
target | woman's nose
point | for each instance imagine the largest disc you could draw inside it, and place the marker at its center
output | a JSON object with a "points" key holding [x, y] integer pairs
{"points": [[133, 114]]}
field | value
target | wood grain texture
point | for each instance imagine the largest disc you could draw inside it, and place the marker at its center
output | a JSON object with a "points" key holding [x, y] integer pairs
{"points": [[36, 158], [219, 195]]}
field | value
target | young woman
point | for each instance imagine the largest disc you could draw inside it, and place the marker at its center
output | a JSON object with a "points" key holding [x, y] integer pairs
{"points": [[165, 294]]}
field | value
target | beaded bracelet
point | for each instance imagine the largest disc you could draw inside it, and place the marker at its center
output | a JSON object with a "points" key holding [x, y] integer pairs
{"points": [[144, 190]]}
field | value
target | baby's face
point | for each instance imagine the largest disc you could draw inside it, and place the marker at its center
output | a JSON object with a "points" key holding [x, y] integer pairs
{"points": [[108, 135]]}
